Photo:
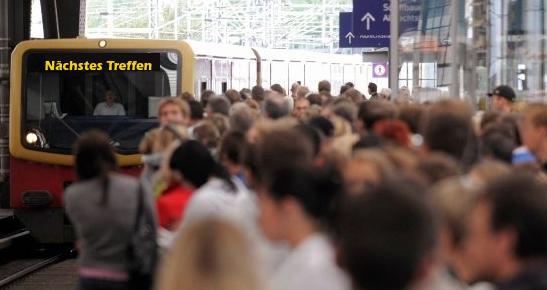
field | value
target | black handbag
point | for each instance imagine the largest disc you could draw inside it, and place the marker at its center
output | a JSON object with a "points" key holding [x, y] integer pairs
{"points": [[142, 249]]}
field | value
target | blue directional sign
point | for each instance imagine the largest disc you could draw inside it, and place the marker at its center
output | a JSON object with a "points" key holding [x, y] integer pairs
{"points": [[347, 37], [371, 22]]}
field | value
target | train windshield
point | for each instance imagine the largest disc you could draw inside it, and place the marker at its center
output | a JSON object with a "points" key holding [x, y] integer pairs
{"points": [[69, 92]]}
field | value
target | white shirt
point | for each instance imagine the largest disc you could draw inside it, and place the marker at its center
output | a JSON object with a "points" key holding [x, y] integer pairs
{"points": [[240, 208], [311, 266], [103, 109]]}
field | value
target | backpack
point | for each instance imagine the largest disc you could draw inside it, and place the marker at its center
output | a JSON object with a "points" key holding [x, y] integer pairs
{"points": [[142, 250]]}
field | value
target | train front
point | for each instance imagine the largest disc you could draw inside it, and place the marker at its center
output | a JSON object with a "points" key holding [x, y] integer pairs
{"points": [[62, 88]]}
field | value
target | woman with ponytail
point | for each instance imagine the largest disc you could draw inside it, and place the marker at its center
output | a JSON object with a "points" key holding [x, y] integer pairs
{"points": [[101, 205]]}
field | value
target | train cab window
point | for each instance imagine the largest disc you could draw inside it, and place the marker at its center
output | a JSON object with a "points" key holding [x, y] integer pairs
{"points": [[69, 92], [224, 87]]}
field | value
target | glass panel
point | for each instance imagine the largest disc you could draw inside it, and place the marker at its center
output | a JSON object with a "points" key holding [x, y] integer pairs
{"points": [[67, 93]]}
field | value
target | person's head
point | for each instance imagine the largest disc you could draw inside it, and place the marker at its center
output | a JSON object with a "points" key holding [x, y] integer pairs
{"points": [[447, 127], [404, 94], [209, 254], [221, 123], [94, 155], [437, 166], [302, 92], [411, 114], [193, 165], [275, 107], [324, 86], [497, 141], [278, 89], [373, 111], [294, 88], [258, 94], [280, 138], [173, 110], [394, 131], [534, 130], [354, 95], [315, 99], [245, 94], [324, 125], [188, 97], [109, 97], [241, 117], [233, 96], [507, 228], [219, 105], [231, 151], [385, 94], [502, 98], [349, 84], [296, 203], [300, 107], [345, 109], [94, 159], [372, 88], [487, 171], [375, 246], [207, 134], [196, 111], [344, 89], [366, 168], [205, 97]]}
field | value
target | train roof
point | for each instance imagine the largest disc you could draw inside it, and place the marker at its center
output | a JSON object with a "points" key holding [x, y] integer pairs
{"points": [[307, 56], [219, 50]]}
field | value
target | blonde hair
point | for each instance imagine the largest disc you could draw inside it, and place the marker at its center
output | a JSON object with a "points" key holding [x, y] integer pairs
{"points": [[179, 102], [209, 255], [341, 126], [159, 139]]}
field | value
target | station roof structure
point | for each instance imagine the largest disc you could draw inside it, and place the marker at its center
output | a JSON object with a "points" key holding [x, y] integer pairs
{"points": [[291, 24]]}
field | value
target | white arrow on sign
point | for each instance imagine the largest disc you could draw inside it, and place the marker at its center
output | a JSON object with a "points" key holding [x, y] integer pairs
{"points": [[350, 36], [368, 18]]}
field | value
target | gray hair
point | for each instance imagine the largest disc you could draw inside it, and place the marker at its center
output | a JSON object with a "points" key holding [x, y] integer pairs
{"points": [[241, 117]]}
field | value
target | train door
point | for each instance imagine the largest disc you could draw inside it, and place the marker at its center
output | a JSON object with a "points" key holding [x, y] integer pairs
{"points": [[202, 76], [221, 75]]}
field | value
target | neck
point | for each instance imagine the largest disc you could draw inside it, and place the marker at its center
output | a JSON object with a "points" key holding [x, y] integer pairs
{"points": [[300, 230], [542, 153], [509, 269]]}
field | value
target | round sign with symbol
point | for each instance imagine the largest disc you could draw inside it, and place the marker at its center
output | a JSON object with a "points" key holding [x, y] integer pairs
{"points": [[379, 70]]}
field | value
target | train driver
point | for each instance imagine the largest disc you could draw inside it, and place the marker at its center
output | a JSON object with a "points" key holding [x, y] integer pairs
{"points": [[109, 107]]}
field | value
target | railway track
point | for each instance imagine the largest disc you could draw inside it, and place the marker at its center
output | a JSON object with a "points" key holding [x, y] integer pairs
{"points": [[20, 267]]}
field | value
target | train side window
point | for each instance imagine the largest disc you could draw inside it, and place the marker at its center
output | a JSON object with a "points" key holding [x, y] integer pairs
{"points": [[203, 86], [224, 87]]}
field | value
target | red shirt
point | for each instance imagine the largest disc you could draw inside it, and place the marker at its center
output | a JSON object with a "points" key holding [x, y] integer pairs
{"points": [[171, 205]]}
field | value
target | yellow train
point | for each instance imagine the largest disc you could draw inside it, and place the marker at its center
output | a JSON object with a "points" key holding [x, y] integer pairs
{"points": [[56, 85]]}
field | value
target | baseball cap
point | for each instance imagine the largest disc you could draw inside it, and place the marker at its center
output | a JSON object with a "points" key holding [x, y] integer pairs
{"points": [[505, 92]]}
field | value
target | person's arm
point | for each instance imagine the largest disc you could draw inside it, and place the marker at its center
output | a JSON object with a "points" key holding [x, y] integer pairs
{"points": [[96, 112], [121, 110]]}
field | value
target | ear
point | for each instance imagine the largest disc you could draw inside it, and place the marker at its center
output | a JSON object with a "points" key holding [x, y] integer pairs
{"points": [[507, 241]]}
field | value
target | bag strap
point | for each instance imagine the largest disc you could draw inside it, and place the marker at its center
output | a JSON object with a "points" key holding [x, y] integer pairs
{"points": [[140, 205], [171, 128]]}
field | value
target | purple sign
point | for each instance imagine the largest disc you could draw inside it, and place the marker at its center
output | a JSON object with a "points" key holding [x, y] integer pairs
{"points": [[379, 70]]}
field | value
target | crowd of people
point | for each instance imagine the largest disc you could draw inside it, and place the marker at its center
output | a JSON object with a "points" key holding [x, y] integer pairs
{"points": [[314, 190]]}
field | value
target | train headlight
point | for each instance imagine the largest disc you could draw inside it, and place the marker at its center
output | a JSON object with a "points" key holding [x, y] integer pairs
{"points": [[35, 138], [102, 43], [31, 138]]}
